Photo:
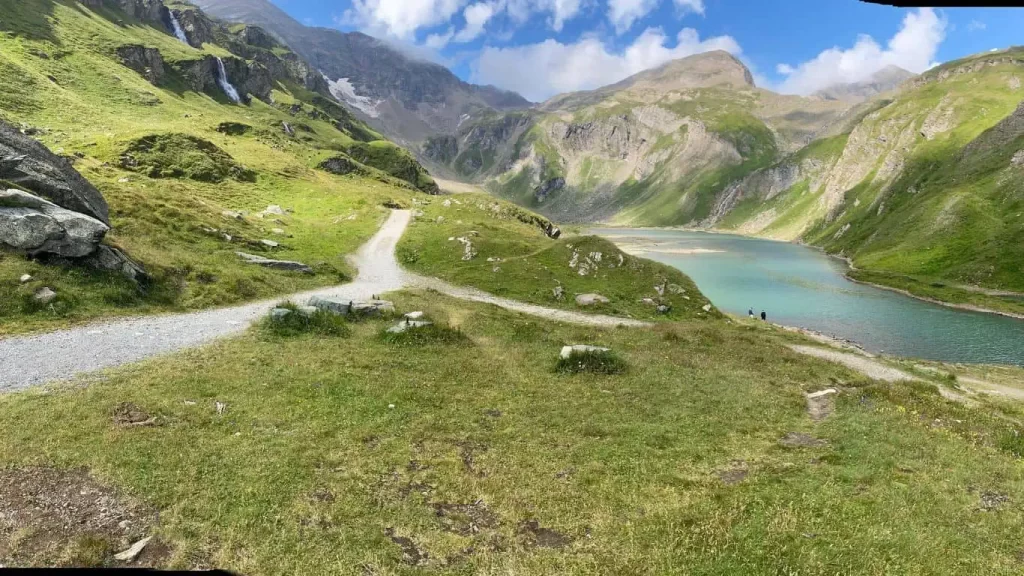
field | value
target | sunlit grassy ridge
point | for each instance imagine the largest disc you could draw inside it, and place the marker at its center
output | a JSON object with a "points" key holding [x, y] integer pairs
{"points": [[95, 108], [698, 458]]}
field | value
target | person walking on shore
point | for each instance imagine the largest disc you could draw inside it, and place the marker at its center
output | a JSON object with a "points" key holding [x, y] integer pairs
{"points": [[751, 312], [764, 317]]}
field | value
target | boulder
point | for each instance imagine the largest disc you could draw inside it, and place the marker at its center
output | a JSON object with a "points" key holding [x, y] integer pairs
{"points": [[820, 405], [269, 243], [45, 296], [663, 309], [414, 316], [196, 26], [30, 165], [113, 260], [332, 305], [591, 299], [33, 225], [339, 165], [568, 351], [373, 308], [25, 278], [279, 314], [307, 311], [275, 264]]}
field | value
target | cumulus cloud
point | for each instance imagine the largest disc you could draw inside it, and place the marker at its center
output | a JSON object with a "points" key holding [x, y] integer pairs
{"points": [[913, 48], [623, 13], [560, 11], [400, 18], [691, 5], [439, 41], [477, 16], [539, 71]]}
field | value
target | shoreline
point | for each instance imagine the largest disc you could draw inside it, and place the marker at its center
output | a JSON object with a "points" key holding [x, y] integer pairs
{"points": [[849, 263]]}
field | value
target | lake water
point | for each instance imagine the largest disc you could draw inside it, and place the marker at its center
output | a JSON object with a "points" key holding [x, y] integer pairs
{"points": [[800, 286]]}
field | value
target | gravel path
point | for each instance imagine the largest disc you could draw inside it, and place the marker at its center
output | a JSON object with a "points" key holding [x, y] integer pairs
{"points": [[866, 366], [33, 360]]}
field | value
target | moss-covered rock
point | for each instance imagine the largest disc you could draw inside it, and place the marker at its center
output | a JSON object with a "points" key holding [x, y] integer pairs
{"points": [[183, 156]]}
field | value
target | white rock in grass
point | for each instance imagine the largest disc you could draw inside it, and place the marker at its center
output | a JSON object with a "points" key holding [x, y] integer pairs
{"points": [[568, 351], [414, 315], [45, 296], [406, 325], [278, 314], [821, 405], [133, 552], [25, 278], [590, 299]]}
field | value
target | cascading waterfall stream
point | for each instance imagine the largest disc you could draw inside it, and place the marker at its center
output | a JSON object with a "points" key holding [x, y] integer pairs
{"points": [[225, 84], [179, 33]]}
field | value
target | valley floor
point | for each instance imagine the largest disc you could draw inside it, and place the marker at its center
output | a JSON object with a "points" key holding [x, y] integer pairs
{"points": [[465, 450]]}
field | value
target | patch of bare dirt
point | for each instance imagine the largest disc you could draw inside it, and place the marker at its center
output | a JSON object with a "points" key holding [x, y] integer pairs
{"points": [[129, 415], [800, 440], [411, 554], [466, 519], [541, 537], [55, 517], [993, 500], [735, 474], [468, 451]]}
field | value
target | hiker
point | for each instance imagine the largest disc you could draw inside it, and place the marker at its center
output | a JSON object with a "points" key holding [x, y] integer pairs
{"points": [[764, 317], [751, 312]]}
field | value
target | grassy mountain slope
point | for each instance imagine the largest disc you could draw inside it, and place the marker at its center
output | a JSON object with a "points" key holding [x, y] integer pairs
{"points": [[925, 188], [653, 149], [64, 79]]}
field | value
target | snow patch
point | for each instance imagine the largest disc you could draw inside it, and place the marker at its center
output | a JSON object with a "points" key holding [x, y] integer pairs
{"points": [[343, 90]]}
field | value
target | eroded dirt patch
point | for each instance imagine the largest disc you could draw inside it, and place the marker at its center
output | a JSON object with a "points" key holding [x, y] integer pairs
{"points": [[800, 440], [466, 519], [736, 473], [541, 537], [56, 517], [129, 415], [411, 554]]}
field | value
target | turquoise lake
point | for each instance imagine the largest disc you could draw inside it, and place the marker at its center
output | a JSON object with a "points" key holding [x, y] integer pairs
{"points": [[799, 286]]}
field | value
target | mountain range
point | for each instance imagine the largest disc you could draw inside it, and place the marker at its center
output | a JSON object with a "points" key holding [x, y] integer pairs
{"points": [[915, 178]]}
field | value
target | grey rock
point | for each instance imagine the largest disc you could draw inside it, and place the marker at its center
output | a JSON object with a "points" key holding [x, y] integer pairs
{"points": [[308, 311], [590, 299], [820, 405], [568, 351], [275, 264], [114, 260], [406, 325], [33, 225], [559, 293], [332, 305], [373, 308], [340, 165], [414, 316], [45, 295], [706, 308], [664, 309], [279, 313], [31, 166], [269, 243], [148, 62]]}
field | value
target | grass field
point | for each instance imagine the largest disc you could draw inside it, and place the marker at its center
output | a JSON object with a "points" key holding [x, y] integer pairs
{"points": [[469, 455]]}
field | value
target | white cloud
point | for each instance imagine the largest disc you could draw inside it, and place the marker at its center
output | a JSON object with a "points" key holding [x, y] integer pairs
{"points": [[539, 71], [401, 18], [913, 48], [623, 13], [439, 41], [976, 25], [561, 11], [691, 5], [477, 16]]}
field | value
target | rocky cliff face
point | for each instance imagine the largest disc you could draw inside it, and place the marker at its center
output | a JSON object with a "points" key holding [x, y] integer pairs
{"points": [[146, 61], [406, 99]]}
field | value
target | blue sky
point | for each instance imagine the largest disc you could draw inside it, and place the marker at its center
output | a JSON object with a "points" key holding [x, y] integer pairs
{"points": [[543, 47]]}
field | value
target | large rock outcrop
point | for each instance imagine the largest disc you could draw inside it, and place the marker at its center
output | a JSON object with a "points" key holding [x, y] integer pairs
{"points": [[33, 225], [148, 62], [197, 27], [54, 212], [29, 165]]}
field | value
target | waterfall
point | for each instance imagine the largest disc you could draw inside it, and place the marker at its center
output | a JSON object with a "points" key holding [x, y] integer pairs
{"points": [[225, 84], [176, 26]]}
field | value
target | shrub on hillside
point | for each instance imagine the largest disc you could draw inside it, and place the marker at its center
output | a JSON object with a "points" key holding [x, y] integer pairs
{"points": [[183, 156]]}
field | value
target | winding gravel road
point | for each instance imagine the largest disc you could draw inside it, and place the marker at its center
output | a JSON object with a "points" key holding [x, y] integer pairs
{"points": [[33, 360]]}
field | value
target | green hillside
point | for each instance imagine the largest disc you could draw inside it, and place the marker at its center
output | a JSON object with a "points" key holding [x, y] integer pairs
{"points": [[172, 161]]}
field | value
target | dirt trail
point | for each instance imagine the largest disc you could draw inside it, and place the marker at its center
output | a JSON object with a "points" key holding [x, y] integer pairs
{"points": [[32, 360]]}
